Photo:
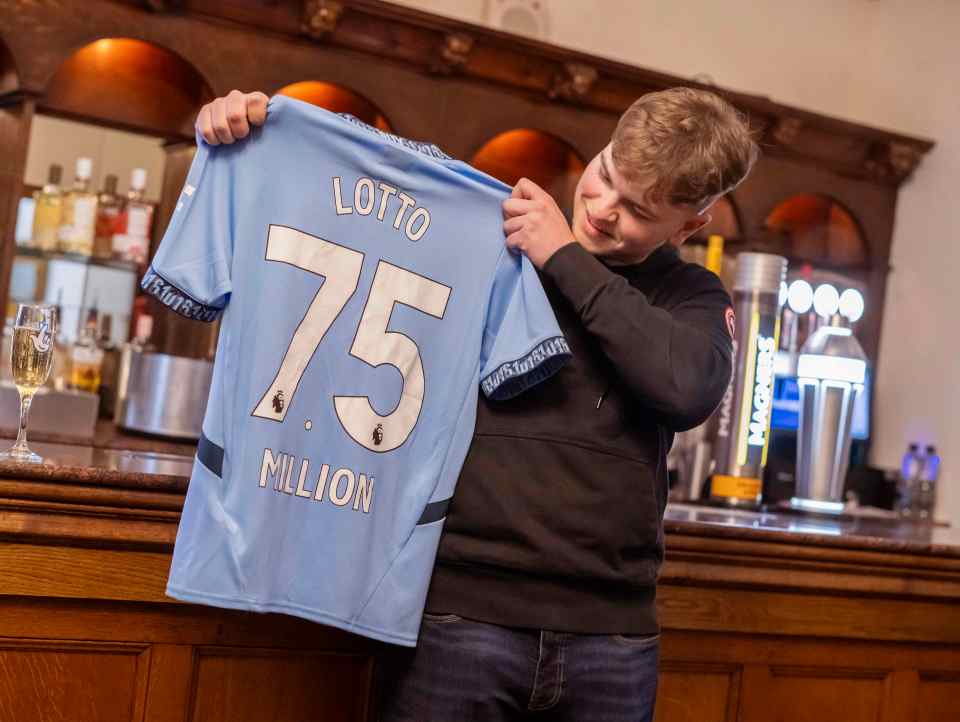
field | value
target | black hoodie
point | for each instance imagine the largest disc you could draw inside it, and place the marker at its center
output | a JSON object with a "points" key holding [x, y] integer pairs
{"points": [[556, 522]]}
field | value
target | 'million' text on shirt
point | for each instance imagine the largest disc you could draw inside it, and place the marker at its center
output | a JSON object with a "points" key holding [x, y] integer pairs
{"points": [[343, 487]]}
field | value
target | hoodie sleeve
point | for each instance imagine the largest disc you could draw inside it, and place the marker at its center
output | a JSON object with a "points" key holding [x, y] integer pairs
{"points": [[676, 360]]}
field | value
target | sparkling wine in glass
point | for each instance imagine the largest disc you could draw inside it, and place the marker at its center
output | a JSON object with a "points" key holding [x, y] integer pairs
{"points": [[31, 360]]}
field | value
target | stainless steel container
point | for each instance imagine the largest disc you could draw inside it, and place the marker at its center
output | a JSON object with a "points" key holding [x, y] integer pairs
{"points": [[162, 394], [743, 419], [830, 372]]}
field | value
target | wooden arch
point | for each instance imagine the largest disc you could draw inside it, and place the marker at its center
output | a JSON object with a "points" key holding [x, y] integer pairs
{"points": [[817, 228], [338, 99], [128, 83], [546, 159]]}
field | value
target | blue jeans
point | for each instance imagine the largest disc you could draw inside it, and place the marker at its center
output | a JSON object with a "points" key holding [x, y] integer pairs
{"points": [[467, 671]]}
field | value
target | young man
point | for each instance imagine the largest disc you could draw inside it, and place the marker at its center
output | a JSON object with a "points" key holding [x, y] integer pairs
{"points": [[542, 602]]}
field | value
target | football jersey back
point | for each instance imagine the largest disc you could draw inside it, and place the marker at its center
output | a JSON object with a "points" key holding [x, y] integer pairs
{"points": [[366, 294]]}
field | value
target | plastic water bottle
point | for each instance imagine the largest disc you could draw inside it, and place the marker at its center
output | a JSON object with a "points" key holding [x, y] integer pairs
{"points": [[910, 468], [925, 490]]}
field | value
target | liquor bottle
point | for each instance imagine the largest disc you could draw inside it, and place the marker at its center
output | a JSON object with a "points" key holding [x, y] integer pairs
{"points": [[86, 358], [136, 219], [60, 375], [78, 226], [142, 333], [110, 368], [109, 205], [48, 210], [714, 260]]}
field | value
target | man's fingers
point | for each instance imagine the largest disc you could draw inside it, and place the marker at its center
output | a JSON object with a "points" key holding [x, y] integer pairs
{"points": [[526, 188], [223, 120], [257, 107], [512, 225], [205, 125], [518, 206], [221, 127], [237, 114]]}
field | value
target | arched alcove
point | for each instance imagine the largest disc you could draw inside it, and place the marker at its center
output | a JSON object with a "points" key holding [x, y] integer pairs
{"points": [[127, 82], [9, 80], [817, 228], [338, 99], [724, 221], [547, 160]]}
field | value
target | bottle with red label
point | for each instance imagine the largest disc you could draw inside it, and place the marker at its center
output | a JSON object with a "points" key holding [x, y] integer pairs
{"points": [[132, 237]]}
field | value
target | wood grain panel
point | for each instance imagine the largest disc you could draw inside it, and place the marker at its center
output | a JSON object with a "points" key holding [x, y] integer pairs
{"points": [[825, 695], [42, 571], [938, 698], [238, 685], [696, 692], [807, 615], [65, 682], [174, 624], [171, 672]]}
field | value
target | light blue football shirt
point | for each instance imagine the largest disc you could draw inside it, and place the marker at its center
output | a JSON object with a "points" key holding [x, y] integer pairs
{"points": [[366, 295]]}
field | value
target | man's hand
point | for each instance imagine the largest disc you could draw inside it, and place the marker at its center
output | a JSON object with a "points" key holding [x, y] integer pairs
{"points": [[534, 224], [227, 119]]}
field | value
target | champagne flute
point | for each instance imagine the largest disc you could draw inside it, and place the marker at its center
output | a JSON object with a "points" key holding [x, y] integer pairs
{"points": [[31, 359]]}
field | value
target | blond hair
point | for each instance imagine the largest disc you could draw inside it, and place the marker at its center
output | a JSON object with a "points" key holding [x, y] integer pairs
{"points": [[693, 144]]}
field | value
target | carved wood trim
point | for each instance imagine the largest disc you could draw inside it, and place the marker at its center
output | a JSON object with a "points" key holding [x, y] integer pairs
{"points": [[320, 18], [785, 130], [574, 83], [453, 54]]}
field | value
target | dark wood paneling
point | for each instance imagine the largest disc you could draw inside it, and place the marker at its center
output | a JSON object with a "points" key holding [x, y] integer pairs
{"points": [[937, 698], [65, 681], [697, 692], [244, 685]]}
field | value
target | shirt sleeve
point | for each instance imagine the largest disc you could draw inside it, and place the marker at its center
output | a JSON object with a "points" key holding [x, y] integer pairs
{"points": [[522, 342], [190, 272]]}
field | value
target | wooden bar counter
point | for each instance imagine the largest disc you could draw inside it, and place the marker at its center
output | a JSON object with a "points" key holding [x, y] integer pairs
{"points": [[766, 617]]}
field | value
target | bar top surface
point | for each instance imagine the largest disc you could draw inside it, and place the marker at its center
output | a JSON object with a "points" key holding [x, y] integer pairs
{"points": [[132, 461]]}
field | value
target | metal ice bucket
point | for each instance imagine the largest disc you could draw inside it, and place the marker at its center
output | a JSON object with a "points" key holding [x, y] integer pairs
{"points": [[162, 394]]}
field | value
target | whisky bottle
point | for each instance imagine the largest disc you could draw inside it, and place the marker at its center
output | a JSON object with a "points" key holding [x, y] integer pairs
{"points": [[86, 358], [48, 210], [109, 205], [78, 225]]}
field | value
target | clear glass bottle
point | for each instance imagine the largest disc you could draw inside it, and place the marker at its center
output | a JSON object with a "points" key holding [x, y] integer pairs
{"points": [[910, 466], [78, 226], [136, 219], [48, 211], [109, 205], [925, 494], [86, 357]]}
